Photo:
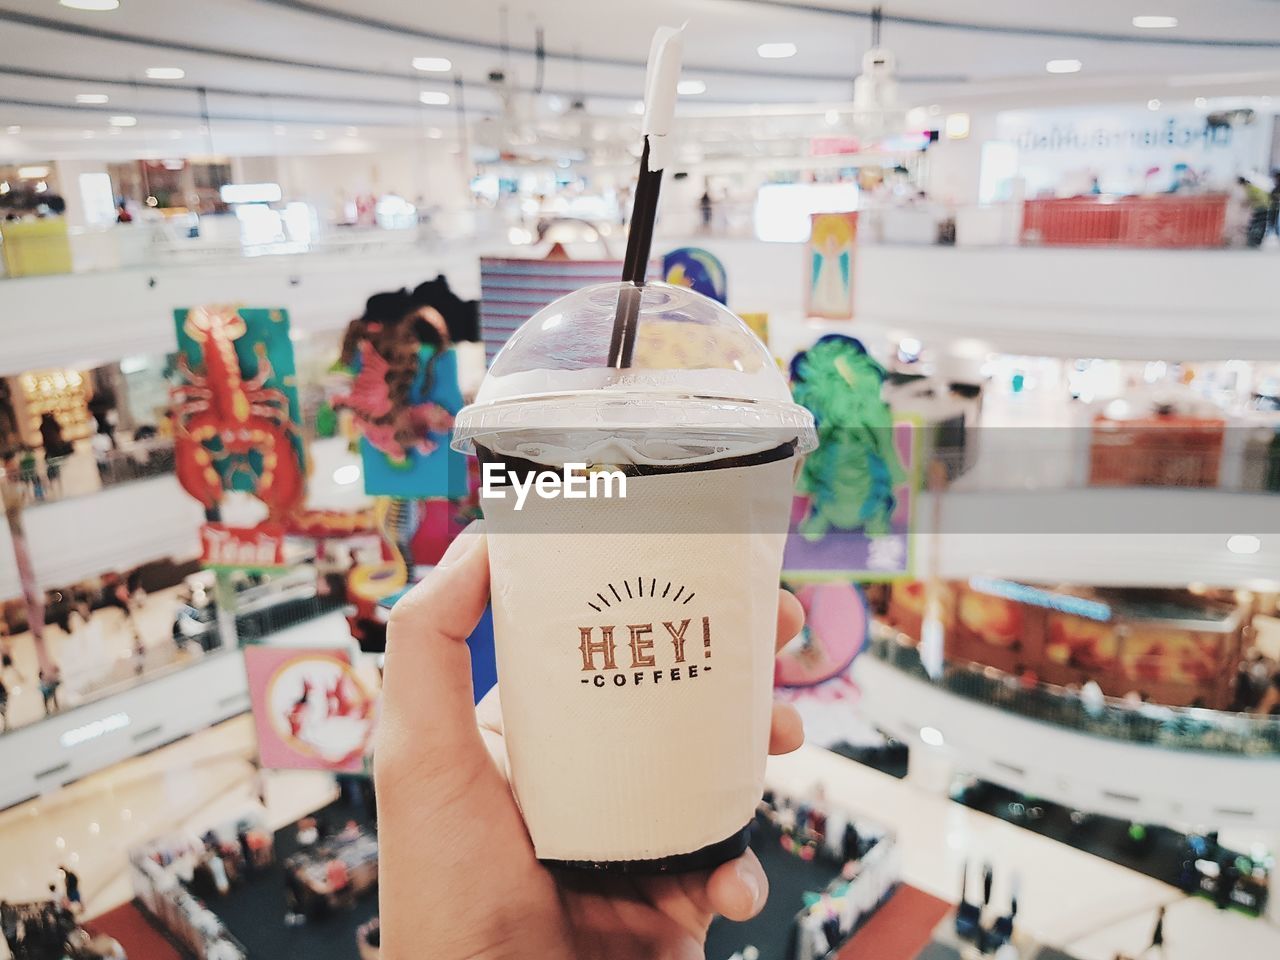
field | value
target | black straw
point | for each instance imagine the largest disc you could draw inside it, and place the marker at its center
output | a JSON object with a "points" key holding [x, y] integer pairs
{"points": [[644, 211]]}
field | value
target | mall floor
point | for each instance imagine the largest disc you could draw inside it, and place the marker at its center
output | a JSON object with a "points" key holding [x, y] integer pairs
{"points": [[1087, 906]]}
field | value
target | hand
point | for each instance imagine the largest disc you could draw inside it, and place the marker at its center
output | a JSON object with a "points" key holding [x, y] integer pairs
{"points": [[459, 880]]}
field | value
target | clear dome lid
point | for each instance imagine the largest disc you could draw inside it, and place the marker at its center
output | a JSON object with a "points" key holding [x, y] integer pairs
{"points": [[694, 365]]}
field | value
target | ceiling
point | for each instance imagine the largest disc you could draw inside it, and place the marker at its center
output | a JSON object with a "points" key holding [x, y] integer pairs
{"points": [[286, 71]]}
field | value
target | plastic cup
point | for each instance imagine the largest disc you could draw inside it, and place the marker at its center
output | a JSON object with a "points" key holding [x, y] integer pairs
{"points": [[636, 520]]}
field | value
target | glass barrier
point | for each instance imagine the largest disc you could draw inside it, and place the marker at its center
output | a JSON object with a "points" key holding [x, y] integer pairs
{"points": [[41, 481], [1176, 728], [1251, 465], [262, 611]]}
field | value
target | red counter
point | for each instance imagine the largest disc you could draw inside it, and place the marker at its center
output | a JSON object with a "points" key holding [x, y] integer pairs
{"points": [[1159, 221]]}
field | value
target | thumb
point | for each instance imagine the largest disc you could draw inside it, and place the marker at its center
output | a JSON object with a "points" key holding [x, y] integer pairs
{"points": [[428, 721]]}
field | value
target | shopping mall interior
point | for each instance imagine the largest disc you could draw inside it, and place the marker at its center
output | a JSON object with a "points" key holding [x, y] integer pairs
{"points": [[1007, 273]]}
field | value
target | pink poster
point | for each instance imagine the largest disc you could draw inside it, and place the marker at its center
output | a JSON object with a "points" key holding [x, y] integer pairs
{"points": [[311, 710]]}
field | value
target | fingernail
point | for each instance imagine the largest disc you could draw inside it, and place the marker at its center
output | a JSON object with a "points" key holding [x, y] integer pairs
{"points": [[751, 882]]}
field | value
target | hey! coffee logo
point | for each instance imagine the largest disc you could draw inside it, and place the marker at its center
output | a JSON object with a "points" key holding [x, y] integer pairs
{"points": [[671, 646]]}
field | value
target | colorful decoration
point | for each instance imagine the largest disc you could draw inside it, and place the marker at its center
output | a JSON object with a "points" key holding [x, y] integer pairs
{"points": [[236, 408], [697, 269], [403, 394], [311, 710], [331, 524], [829, 288], [512, 290], [852, 515], [759, 324], [835, 630]]}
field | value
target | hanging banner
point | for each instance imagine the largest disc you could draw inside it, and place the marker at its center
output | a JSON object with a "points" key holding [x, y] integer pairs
{"points": [[310, 709], [855, 495], [698, 270], [829, 284], [512, 290], [400, 384], [235, 408]]}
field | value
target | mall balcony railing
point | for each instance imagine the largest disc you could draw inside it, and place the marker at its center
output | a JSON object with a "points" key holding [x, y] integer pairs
{"points": [[1020, 464], [1204, 220], [82, 473], [1175, 728], [268, 614]]}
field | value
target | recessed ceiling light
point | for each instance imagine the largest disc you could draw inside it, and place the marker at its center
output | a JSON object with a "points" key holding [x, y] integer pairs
{"points": [[832, 117], [13, 130], [776, 51], [433, 98], [1064, 66], [92, 98], [1153, 104], [123, 121], [956, 126], [1155, 22], [932, 736], [435, 133], [33, 173], [690, 88], [95, 5], [165, 73], [1201, 103], [433, 64], [1244, 543]]}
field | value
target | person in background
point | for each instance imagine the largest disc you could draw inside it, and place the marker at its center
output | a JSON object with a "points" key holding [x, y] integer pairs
{"points": [[29, 475], [56, 447], [116, 593], [1157, 935], [1269, 705], [4, 707], [71, 884], [9, 925], [706, 207], [102, 444], [1092, 697], [6, 653], [50, 681], [1273, 209], [122, 213]]}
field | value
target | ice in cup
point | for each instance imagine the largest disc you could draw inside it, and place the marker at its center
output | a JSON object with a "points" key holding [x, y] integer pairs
{"points": [[636, 521]]}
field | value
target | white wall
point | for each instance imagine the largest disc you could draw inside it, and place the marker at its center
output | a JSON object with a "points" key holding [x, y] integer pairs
{"points": [[1122, 304], [35, 762], [115, 529], [69, 172], [89, 318], [1146, 784]]}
